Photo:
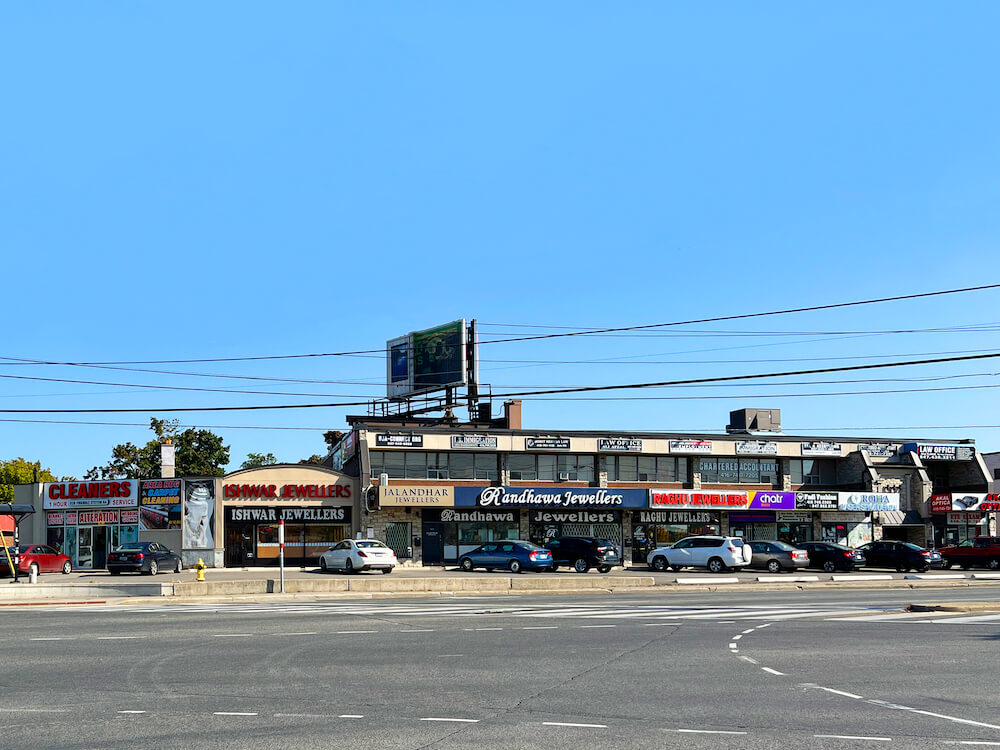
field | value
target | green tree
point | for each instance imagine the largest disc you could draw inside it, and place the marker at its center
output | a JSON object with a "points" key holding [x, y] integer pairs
{"points": [[197, 453], [331, 438], [258, 459], [20, 471]]}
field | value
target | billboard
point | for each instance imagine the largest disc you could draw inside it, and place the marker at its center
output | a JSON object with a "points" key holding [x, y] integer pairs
{"points": [[428, 360], [159, 504], [199, 513]]}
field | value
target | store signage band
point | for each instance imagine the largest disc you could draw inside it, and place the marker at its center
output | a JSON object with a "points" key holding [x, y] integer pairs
{"points": [[548, 497], [822, 448], [619, 445], [668, 516], [691, 447], [286, 491], [316, 514], [965, 519], [696, 499], [55, 519], [756, 448], [116, 494], [770, 500], [546, 443], [477, 516], [961, 502], [880, 450], [816, 500], [473, 442], [868, 501], [572, 516], [416, 496], [941, 451], [385, 440], [98, 517]]}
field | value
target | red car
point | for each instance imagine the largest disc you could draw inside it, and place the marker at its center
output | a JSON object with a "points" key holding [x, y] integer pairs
{"points": [[44, 559]]}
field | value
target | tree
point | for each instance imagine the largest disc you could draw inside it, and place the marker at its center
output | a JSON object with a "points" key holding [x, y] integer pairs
{"points": [[314, 460], [197, 453], [255, 460], [331, 438], [20, 471]]}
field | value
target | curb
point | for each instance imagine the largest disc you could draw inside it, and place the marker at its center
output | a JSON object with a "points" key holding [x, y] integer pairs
{"points": [[963, 607]]}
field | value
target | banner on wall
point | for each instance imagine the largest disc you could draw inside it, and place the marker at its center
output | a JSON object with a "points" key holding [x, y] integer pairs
{"points": [[115, 494], [868, 501], [959, 502], [159, 504], [199, 513]]}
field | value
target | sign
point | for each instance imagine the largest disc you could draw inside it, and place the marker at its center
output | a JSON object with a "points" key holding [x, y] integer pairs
{"points": [[449, 515], [386, 440], [549, 497], [880, 450], [768, 500], [129, 516], [941, 451], [977, 501], [867, 501], [98, 517], [274, 514], [965, 519], [415, 496], [72, 517], [286, 491], [821, 448], [399, 368], [159, 504], [546, 443], [816, 500], [55, 519], [696, 499], [793, 516], [473, 442], [344, 451], [756, 448], [117, 494], [428, 360], [667, 516], [619, 445], [574, 516], [199, 514], [691, 447], [940, 503]]}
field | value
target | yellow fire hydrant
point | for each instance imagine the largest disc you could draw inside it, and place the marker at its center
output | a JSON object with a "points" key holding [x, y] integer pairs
{"points": [[200, 567]]}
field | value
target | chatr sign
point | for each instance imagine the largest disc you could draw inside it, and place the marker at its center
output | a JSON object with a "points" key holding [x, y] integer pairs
{"points": [[769, 500]]}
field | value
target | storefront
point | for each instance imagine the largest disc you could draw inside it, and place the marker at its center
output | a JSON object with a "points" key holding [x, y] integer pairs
{"points": [[315, 504], [448, 533], [86, 520], [960, 516], [545, 525], [658, 528]]}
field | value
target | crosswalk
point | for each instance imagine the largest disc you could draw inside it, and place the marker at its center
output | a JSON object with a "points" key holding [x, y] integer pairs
{"points": [[924, 618]]}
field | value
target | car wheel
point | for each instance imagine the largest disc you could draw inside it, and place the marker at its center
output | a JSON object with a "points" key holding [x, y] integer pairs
{"points": [[773, 566], [466, 565], [948, 564], [581, 566], [67, 568], [923, 569], [322, 564], [515, 566], [676, 568], [715, 565], [659, 564], [153, 568], [603, 568], [899, 568], [554, 567], [178, 566], [993, 564], [349, 566], [829, 567], [386, 571]]}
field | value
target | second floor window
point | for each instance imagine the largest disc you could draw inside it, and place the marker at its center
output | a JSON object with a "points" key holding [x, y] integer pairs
{"points": [[550, 467], [644, 468], [725, 470], [812, 471], [430, 465]]}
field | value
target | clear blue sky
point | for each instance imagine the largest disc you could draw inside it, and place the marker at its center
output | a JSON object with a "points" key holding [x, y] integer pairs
{"points": [[201, 180]]}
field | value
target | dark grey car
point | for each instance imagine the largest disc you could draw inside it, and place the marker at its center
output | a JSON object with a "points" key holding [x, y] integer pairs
{"points": [[148, 558], [777, 556]]}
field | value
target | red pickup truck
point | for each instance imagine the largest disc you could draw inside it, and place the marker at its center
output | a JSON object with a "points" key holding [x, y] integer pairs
{"points": [[982, 550]]}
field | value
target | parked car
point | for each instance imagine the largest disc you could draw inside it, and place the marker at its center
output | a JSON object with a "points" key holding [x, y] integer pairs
{"points": [[41, 557], [777, 556], [584, 553], [902, 556], [515, 555], [831, 557], [148, 558], [717, 553], [352, 555], [981, 550]]}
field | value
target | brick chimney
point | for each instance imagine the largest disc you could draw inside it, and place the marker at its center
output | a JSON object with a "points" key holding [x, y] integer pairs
{"points": [[512, 414]]}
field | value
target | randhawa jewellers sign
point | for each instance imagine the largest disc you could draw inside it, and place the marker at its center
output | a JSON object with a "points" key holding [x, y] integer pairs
{"points": [[547, 497], [572, 516], [448, 515]]}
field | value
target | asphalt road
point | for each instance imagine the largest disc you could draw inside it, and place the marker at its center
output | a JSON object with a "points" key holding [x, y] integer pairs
{"points": [[837, 669]]}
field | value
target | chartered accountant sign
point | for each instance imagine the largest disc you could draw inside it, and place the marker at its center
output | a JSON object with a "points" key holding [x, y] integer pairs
{"points": [[549, 497]]}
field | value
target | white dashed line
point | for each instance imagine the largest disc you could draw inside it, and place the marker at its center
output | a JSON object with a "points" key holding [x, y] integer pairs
{"points": [[969, 742], [765, 625], [312, 633], [773, 671], [479, 629], [546, 627], [234, 713], [570, 724], [233, 635], [351, 716], [704, 731], [841, 692], [737, 637], [459, 721], [598, 626], [120, 637], [747, 632], [416, 631], [747, 658], [354, 632], [733, 646], [852, 737], [131, 712], [301, 716], [57, 638]]}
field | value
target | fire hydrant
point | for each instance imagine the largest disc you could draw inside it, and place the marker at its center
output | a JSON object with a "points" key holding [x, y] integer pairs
{"points": [[200, 567]]}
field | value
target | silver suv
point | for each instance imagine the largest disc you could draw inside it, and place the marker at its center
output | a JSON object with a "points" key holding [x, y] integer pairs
{"points": [[717, 553]]}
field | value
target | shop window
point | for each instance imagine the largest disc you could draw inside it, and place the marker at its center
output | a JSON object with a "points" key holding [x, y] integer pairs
{"points": [[437, 466], [578, 468], [644, 468], [522, 466], [461, 465], [709, 468], [812, 471], [486, 466], [416, 466], [547, 467]]}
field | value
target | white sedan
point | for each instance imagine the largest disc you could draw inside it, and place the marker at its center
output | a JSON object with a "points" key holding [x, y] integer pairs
{"points": [[353, 555]]}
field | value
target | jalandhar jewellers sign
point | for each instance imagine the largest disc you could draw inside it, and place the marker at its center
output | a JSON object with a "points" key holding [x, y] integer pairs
{"points": [[413, 496]]}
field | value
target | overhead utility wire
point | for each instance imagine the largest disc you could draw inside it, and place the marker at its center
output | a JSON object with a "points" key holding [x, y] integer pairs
{"points": [[746, 316], [382, 351], [552, 391]]}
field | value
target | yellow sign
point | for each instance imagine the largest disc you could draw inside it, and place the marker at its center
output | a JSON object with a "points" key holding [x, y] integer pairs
{"points": [[415, 496]]}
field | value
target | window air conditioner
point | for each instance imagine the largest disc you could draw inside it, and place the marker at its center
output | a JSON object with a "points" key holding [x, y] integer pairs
{"points": [[383, 479], [563, 476]]}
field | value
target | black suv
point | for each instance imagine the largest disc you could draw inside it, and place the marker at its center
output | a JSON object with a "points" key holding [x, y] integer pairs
{"points": [[584, 553]]}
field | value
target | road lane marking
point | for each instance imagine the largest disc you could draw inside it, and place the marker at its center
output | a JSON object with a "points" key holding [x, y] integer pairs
{"points": [[120, 637], [841, 692], [773, 671], [597, 626], [737, 637], [747, 658], [234, 713], [969, 742], [571, 724], [233, 635], [416, 631], [312, 633], [747, 632], [36, 710], [353, 632], [302, 716], [50, 638], [131, 712], [853, 737], [548, 627], [704, 731], [458, 721], [351, 716], [478, 629]]}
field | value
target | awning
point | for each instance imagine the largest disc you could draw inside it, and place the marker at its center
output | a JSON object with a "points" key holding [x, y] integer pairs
{"points": [[900, 518]]}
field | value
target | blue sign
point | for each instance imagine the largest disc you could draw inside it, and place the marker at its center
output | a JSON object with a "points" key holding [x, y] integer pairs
{"points": [[549, 497]]}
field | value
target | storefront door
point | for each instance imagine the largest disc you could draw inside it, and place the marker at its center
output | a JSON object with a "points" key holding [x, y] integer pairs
{"points": [[100, 546], [433, 544], [85, 556]]}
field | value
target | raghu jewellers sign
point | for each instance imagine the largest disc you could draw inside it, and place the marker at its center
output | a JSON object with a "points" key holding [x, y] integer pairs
{"points": [[415, 496]]}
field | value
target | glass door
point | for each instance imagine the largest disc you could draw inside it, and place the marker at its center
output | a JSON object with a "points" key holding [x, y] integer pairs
{"points": [[85, 555]]}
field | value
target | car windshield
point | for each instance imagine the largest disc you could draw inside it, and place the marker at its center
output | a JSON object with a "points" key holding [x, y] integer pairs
{"points": [[369, 545], [131, 548]]}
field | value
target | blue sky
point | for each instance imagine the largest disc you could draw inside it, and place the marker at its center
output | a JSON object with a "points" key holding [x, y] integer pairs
{"points": [[194, 180]]}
